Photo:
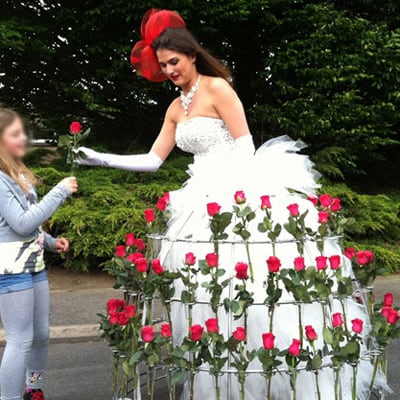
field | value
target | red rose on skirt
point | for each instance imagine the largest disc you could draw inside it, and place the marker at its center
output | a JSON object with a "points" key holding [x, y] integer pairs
{"points": [[294, 348], [350, 253], [75, 127], [157, 267], [299, 264], [130, 311], [242, 269], [273, 264], [213, 208], [240, 197], [323, 217], [212, 260], [212, 325], [335, 204], [294, 210], [148, 334], [321, 262], [239, 334], [268, 341], [149, 215], [166, 331], [196, 332], [357, 325], [265, 202], [311, 335], [388, 300], [190, 259], [337, 320], [141, 265], [129, 239], [120, 251], [313, 200], [335, 262], [325, 200]]}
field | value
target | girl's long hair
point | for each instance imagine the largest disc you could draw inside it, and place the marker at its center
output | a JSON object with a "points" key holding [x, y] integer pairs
{"points": [[182, 41], [16, 169]]}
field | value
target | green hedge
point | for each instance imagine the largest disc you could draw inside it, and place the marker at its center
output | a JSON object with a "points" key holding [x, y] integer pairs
{"points": [[111, 203]]}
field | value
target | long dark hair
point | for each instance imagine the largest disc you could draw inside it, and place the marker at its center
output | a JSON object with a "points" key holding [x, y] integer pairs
{"points": [[182, 41]]}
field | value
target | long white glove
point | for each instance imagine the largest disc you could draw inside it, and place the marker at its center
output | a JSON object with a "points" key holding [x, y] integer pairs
{"points": [[149, 162]]}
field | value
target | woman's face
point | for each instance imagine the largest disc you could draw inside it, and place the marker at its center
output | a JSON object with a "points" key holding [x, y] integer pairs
{"points": [[14, 141], [178, 67]]}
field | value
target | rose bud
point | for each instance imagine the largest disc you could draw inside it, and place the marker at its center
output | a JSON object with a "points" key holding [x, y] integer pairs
{"points": [[240, 197], [161, 204], [196, 332], [141, 265], [268, 341], [299, 264], [212, 325], [323, 217], [167, 197], [386, 311], [325, 200], [311, 335], [313, 200], [241, 269], [213, 208], [388, 300], [350, 253], [362, 258], [265, 202], [335, 204], [114, 305], [157, 267], [139, 244], [370, 255], [129, 239], [75, 127], [149, 215], [130, 311], [335, 262], [239, 334], [212, 260], [122, 319], [166, 331], [357, 325], [133, 257], [294, 210], [321, 262], [120, 251], [337, 320], [273, 264], [190, 259], [294, 348], [147, 334], [393, 317], [114, 318]]}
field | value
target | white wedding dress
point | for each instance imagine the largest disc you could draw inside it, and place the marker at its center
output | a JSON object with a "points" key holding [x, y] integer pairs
{"points": [[218, 171]]}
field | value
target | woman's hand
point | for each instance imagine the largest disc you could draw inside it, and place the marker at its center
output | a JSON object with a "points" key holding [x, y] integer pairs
{"points": [[71, 183], [89, 157], [62, 245]]}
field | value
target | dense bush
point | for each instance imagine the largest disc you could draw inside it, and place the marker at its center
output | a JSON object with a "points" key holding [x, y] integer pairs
{"points": [[111, 203]]}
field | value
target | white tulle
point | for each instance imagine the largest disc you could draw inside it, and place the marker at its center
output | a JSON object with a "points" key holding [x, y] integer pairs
{"points": [[276, 169]]}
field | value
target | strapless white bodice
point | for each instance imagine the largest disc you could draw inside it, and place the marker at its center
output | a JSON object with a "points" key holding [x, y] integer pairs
{"points": [[204, 136]]}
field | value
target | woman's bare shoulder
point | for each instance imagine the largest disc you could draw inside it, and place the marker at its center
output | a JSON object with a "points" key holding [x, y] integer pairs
{"points": [[173, 110]]}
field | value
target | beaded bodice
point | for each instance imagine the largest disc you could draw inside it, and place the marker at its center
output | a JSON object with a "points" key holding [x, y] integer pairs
{"points": [[204, 136]]}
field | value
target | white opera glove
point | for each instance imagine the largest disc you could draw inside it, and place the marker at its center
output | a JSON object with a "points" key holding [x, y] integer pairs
{"points": [[244, 145], [149, 162]]}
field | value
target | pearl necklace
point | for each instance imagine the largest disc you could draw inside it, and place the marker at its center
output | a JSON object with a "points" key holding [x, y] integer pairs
{"points": [[186, 101]]}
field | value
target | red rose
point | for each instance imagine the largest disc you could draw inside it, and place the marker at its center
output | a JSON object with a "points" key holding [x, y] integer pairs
{"points": [[148, 334], [114, 305], [299, 264], [129, 239], [325, 200], [240, 197], [190, 259], [114, 318], [75, 127], [212, 325], [212, 260], [149, 215], [335, 204], [118, 318], [213, 208], [321, 262], [239, 334], [335, 262], [370, 255], [120, 251], [133, 257], [294, 210], [265, 202], [161, 204], [294, 348], [167, 197], [311, 335], [337, 320], [141, 265], [393, 317], [357, 325], [323, 217], [388, 300], [130, 311], [139, 244], [268, 341], [362, 257], [196, 332], [157, 267], [386, 311], [350, 253], [241, 269], [166, 331], [273, 264], [313, 200]]}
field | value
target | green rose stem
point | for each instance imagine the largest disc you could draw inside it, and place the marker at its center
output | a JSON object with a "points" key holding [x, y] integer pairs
{"points": [[115, 375], [250, 262], [337, 378], [73, 155], [354, 391], [171, 386], [300, 323], [293, 378], [192, 376], [269, 387], [316, 373]]}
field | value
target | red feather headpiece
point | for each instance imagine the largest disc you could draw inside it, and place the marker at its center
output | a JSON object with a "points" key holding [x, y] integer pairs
{"points": [[143, 57]]}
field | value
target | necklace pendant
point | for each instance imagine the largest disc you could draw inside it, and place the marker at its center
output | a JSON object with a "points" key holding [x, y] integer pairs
{"points": [[186, 100]]}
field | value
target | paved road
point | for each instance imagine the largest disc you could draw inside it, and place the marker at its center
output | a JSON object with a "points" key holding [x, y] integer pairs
{"points": [[81, 371]]}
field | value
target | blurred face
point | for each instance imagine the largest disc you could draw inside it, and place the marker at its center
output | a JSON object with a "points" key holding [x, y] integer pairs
{"points": [[14, 141], [178, 67]]}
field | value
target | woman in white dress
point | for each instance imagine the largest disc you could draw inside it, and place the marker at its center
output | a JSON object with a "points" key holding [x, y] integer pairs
{"points": [[208, 120]]}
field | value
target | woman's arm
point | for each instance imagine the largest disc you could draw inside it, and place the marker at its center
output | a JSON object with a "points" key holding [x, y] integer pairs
{"points": [[149, 162]]}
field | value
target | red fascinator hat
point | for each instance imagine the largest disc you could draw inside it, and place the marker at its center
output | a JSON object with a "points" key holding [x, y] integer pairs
{"points": [[143, 58]]}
